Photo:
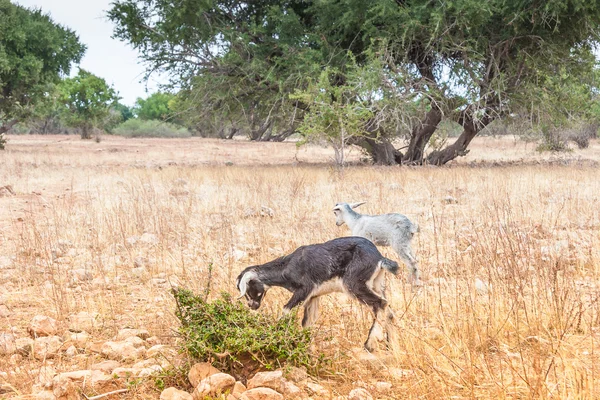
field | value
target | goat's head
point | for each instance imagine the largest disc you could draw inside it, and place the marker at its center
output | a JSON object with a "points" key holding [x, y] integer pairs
{"points": [[252, 288], [341, 208]]}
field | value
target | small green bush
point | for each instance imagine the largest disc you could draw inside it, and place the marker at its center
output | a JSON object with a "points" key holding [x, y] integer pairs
{"points": [[234, 338], [151, 129]]}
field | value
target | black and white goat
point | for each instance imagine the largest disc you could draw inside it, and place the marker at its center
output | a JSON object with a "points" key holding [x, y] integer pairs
{"points": [[351, 265]]}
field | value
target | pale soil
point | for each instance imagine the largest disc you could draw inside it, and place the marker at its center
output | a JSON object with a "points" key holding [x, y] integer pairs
{"points": [[510, 252]]}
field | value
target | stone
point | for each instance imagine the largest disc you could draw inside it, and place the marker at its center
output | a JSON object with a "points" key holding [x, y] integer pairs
{"points": [[81, 275], [238, 388], [359, 394], [175, 394], [261, 393], [42, 325], [127, 333], [107, 366], [383, 387], [71, 351], [122, 351], [46, 347], [24, 345], [161, 350], [149, 238], [7, 344], [83, 321], [213, 385], [151, 370], [80, 339], [123, 372], [45, 375], [45, 395], [296, 374], [314, 389], [91, 377], [4, 311], [135, 341], [270, 379], [201, 371], [7, 191]]}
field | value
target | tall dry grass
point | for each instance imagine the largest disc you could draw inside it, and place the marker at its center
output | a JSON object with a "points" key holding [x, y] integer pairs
{"points": [[511, 263]]}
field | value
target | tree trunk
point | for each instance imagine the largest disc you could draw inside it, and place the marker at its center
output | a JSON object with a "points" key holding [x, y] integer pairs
{"points": [[6, 126], [420, 136], [381, 150], [86, 132], [456, 149]]}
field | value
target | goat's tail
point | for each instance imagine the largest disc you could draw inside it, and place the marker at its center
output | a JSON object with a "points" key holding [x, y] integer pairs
{"points": [[389, 265]]}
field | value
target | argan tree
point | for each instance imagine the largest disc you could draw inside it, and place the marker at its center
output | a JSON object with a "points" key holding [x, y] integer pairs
{"points": [[34, 53], [461, 60], [88, 100]]}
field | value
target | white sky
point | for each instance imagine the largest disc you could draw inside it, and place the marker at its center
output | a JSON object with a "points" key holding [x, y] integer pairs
{"points": [[108, 58]]}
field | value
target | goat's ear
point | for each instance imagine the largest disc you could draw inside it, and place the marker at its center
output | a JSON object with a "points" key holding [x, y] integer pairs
{"points": [[354, 205]]}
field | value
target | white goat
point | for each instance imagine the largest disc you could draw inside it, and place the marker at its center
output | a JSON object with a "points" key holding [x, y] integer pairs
{"points": [[394, 230]]}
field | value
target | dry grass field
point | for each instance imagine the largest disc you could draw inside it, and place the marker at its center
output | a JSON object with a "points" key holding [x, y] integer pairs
{"points": [[509, 249]]}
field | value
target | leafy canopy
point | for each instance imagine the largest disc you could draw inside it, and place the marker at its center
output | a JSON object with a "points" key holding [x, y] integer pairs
{"points": [[462, 60], [34, 53], [88, 99]]}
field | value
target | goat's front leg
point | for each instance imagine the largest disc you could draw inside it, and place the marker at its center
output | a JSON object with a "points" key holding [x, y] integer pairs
{"points": [[298, 297]]}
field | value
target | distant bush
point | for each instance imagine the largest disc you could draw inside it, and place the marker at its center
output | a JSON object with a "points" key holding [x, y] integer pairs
{"points": [[227, 331], [150, 128], [582, 133]]}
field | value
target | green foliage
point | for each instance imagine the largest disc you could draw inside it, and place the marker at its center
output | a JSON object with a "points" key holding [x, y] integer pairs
{"points": [[88, 100], [34, 52], [125, 111], [156, 106], [152, 129], [226, 330], [467, 61]]}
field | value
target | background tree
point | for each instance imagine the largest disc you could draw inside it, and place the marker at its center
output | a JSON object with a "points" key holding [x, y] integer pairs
{"points": [[156, 106], [34, 52], [88, 99], [464, 60]]}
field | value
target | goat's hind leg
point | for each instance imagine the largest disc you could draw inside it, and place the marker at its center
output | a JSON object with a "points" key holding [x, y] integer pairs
{"points": [[379, 307], [407, 256], [311, 312]]}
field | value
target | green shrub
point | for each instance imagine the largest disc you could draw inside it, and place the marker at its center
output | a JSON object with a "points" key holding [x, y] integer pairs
{"points": [[150, 128], [238, 340]]}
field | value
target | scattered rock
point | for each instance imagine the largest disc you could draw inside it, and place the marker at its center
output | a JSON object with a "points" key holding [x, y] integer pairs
{"points": [[81, 275], [296, 375], [45, 395], [80, 340], [4, 311], [7, 344], [83, 321], [266, 211], [123, 372], [45, 375], [24, 345], [127, 333], [270, 379], [135, 341], [71, 351], [383, 387], [6, 191], [261, 394], [149, 238], [317, 390], [151, 370], [175, 394], [90, 377], [122, 351], [213, 385], [450, 200], [42, 326], [238, 388], [46, 347], [201, 371], [359, 394], [107, 366]]}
